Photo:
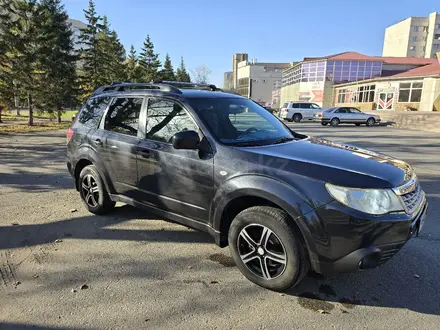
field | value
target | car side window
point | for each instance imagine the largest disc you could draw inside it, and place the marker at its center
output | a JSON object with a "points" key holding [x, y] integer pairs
{"points": [[91, 114], [314, 106], [295, 105], [123, 115], [354, 110], [341, 110], [166, 118]]}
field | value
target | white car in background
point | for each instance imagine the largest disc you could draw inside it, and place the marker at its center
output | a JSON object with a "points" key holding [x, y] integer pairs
{"points": [[298, 111]]}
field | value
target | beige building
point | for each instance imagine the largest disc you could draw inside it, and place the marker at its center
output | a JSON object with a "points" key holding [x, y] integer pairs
{"points": [[258, 80], [413, 37], [227, 81], [237, 58]]}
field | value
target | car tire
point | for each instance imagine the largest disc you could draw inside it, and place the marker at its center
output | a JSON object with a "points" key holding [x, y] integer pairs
{"points": [[93, 192], [297, 117], [358, 124], [371, 122], [324, 124], [265, 237], [334, 122]]}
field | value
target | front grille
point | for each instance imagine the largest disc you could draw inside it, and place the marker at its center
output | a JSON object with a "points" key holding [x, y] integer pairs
{"points": [[389, 251], [412, 199]]}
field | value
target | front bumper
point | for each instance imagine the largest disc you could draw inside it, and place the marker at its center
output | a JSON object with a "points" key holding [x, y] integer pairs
{"points": [[387, 241]]}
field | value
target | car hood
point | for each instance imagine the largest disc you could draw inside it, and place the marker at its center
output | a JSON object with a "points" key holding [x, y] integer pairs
{"points": [[340, 164]]}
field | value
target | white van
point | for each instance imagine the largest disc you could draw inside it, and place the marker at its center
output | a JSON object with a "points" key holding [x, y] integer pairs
{"points": [[297, 111]]}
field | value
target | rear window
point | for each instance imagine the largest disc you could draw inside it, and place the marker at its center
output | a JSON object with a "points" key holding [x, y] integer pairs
{"points": [[91, 114]]}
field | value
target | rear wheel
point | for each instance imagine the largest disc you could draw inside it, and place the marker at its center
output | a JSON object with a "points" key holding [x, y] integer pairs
{"points": [[371, 122], [93, 192], [334, 122], [267, 249], [297, 117]]}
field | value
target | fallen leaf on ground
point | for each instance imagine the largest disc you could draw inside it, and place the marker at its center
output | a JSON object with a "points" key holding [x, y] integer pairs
{"points": [[73, 290], [214, 282], [15, 224], [321, 311], [58, 240], [84, 287], [73, 210]]}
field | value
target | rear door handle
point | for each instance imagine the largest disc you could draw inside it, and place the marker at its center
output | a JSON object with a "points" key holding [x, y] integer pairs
{"points": [[98, 142], [144, 153]]}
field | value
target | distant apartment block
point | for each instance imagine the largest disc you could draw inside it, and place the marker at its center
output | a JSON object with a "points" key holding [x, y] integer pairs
{"points": [[227, 81], [237, 58], [76, 27], [413, 37], [258, 80]]}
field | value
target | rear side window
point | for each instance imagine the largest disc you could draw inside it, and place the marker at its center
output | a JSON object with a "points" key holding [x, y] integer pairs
{"points": [[123, 115], [295, 105], [91, 113], [341, 110]]}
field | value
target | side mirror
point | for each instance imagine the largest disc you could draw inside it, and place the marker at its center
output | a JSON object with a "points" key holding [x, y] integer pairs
{"points": [[186, 140]]}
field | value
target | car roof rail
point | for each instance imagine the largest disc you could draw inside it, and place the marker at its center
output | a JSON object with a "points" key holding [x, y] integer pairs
{"points": [[187, 85], [127, 86]]}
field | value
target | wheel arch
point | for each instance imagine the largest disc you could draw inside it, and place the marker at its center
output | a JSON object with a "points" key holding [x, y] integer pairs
{"points": [[271, 193], [88, 157]]}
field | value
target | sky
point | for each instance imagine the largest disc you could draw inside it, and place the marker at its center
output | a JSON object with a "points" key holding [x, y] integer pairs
{"points": [[209, 32]]}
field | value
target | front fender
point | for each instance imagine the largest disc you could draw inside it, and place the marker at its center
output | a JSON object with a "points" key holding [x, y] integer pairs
{"points": [[286, 197]]}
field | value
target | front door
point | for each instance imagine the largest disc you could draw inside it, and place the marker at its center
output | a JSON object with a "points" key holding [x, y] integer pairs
{"points": [[118, 137], [178, 181], [385, 101]]}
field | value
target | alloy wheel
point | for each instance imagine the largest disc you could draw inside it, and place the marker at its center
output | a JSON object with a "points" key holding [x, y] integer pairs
{"points": [[90, 190], [261, 251]]}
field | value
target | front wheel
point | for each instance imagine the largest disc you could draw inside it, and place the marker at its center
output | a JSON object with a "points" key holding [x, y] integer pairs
{"points": [[267, 249], [371, 122], [93, 192]]}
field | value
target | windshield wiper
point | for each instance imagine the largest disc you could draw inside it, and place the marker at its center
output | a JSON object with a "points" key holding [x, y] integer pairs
{"points": [[283, 140], [245, 144]]}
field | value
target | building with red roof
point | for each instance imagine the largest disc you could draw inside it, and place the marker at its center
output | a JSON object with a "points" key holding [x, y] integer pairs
{"points": [[366, 82]]}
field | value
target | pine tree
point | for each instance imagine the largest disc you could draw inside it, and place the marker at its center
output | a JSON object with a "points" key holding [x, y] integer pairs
{"points": [[181, 73], [18, 35], [57, 64], [149, 61], [90, 53], [111, 67], [133, 71], [167, 73]]}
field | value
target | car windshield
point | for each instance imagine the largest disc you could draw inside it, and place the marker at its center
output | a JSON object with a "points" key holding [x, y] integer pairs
{"points": [[240, 122]]}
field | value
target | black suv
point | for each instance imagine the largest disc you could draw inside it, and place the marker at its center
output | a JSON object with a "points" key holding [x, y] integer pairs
{"points": [[285, 203]]}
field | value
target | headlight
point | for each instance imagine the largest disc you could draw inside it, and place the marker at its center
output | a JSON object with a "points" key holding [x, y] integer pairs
{"points": [[371, 201]]}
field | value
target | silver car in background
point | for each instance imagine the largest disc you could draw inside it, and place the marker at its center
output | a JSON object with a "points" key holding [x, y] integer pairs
{"points": [[299, 111], [346, 115]]}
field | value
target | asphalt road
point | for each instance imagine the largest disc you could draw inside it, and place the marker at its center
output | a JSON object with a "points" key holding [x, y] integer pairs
{"points": [[140, 272]]}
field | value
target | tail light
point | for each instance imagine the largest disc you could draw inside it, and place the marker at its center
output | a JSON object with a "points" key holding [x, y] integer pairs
{"points": [[286, 110], [69, 134], [319, 115]]}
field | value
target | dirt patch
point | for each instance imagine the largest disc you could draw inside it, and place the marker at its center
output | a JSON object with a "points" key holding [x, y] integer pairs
{"points": [[222, 259], [315, 303]]}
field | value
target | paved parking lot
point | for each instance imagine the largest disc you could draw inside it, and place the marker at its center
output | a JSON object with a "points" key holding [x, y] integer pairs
{"points": [[140, 272]]}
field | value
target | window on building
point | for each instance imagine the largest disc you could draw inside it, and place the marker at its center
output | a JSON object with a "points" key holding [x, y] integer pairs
{"points": [[437, 36], [436, 46], [425, 29], [123, 115], [415, 28], [412, 48], [360, 94], [165, 119], [410, 92], [414, 38], [437, 26]]}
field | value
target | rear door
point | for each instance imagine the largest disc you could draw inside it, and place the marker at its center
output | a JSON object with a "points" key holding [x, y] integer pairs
{"points": [[117, 140], [306, 110], [341, 114]]}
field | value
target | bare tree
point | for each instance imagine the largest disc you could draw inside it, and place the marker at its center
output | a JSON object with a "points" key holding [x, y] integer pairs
{"points": [[201, 74]]}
